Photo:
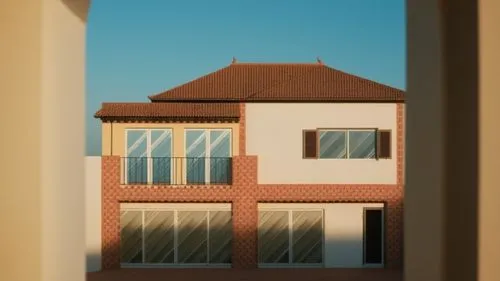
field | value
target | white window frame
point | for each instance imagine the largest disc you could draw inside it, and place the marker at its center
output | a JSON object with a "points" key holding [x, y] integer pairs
{"points": [[206, 131], [346, 131], [149, 159], [175, 208], [290, 237]]}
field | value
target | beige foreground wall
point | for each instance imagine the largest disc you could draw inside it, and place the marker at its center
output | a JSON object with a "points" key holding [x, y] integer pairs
{"points": [[42, 54], [453, 141]]}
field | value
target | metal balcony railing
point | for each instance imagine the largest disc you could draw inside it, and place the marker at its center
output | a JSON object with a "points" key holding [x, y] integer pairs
{"points": [[176, 170]]}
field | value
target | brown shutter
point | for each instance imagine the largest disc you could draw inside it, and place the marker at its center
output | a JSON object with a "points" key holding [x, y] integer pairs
{"points": [[384, 144], [310, 144]]}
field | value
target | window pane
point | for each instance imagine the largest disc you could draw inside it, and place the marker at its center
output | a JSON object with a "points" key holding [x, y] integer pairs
{"points": [[159, 236], [220, 170], [136, 143], [332, 144], [307, 241], [192, 237], [161, 143], [161, 146], [195, 170], [220, 151], [195, 153], [137, 168], [273, 237], [361, 144], [220, 145], [131, 236], [221, 233], [195, 143]]}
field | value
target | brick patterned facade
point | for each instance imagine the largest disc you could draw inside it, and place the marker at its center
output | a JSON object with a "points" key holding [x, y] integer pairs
{"points": [[243, 130], [244, 194]]}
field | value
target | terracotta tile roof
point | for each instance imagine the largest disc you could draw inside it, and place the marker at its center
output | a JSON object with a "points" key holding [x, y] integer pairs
{"points": [[280, 82], [168, 110]]}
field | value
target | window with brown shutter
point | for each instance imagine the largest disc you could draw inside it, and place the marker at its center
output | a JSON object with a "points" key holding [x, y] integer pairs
{"points": [[384, 144], [310, 144]]}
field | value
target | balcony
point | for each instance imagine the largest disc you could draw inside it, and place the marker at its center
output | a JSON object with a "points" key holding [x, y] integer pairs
{"points": [[176, 170]]}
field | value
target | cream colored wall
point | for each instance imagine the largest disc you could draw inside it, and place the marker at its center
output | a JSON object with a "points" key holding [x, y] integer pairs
{"points": [[21, 75], [62, 114], [489, 139], [42, 54], [343, 230], [344, 234], [113, 135], [274, 134]]}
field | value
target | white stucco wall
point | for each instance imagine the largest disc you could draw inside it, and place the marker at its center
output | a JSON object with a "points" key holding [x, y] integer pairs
{"points": [[344, 234], [343, 230], [93, 212], [274, 134]]}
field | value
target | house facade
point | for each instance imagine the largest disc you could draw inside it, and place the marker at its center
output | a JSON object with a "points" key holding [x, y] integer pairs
{"points": [[256, 165]]}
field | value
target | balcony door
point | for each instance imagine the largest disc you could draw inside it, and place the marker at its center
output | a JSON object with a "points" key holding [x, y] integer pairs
{"points": [[208, 156], [148, 156]]}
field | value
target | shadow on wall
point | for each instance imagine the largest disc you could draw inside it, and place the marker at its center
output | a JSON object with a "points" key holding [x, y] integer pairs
{"points": [[199, 238], [93, 261]]}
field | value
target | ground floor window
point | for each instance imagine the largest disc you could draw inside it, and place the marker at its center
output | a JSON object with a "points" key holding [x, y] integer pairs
{"points": [[290, 236], [175, 234]]}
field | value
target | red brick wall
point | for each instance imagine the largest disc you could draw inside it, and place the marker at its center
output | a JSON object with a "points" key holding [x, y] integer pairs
{"points": [[244, 195], [243, 130]]}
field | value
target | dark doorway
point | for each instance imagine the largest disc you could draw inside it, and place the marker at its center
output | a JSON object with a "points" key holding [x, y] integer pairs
{"points": [[373, 236]]}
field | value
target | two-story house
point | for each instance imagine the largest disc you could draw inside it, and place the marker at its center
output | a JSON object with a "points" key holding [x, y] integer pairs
{"points": [[256, 165]]}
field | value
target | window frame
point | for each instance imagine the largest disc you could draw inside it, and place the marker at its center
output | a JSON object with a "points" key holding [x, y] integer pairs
{"points": [[290, 225], [148, 153], [208, 156], [346, 130], [207, 208]]}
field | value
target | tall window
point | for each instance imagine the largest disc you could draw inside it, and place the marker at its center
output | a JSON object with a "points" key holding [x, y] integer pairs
{"points": [[208, 154], [290, 237], [173, 236], [148, 156], [346, 144]]}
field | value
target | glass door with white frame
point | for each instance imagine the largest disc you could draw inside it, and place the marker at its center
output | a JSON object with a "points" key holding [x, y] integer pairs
{"points": [[290, 237], [208, 156], [136, 162], [148, 156], [161, 156]]}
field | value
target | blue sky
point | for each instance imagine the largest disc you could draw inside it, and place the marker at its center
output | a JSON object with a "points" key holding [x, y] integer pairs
{"points": [[136, 48]]}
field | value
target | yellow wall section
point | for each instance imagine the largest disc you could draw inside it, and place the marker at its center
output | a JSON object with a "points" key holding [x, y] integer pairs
{"points": [[113, 135]]}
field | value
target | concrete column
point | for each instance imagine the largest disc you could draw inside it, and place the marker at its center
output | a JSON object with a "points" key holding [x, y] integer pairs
{"points": [[489, 141], [42, 194], [452, 196], [423, 201]]}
